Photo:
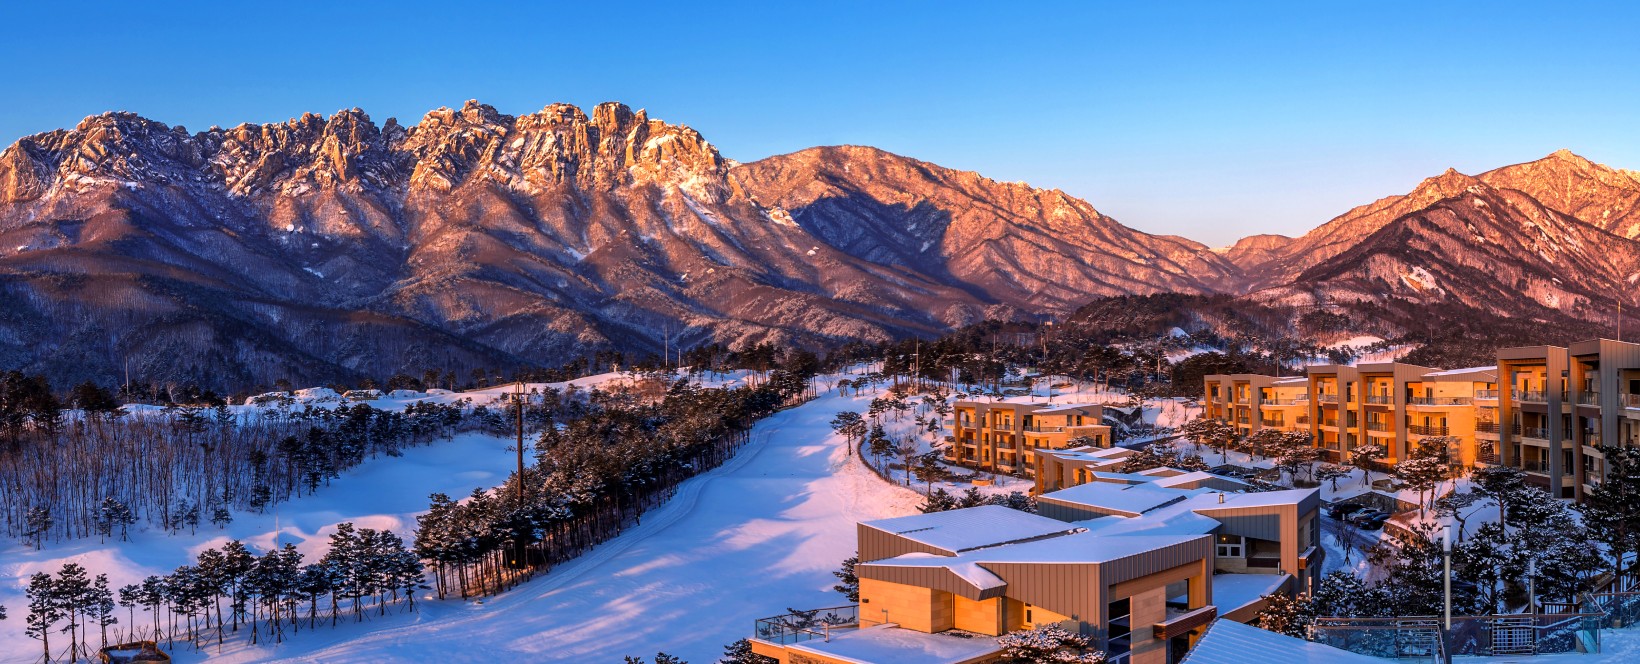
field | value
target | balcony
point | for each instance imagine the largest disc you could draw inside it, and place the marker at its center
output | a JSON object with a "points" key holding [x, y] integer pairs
{"points": [[1488, 427], [1003, 426], [1488, 458], [1380, 399], [1272, 423], [1533, 396], [1286, 402], [1438, 401], [1486, 395], [801, 626], [1302, 419], [1328, 398], [1589, 398], [1421, 430], [1631, 401], [1540, 433], [1379, 426], [1044, 429]]}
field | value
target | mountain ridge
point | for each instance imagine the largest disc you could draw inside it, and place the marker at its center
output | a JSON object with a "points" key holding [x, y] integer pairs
{"points": [[334, 247]]}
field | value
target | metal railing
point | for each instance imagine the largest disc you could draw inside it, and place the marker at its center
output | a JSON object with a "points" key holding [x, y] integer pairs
{"points": [[1380, 399], [1542, 468], [1588, 398], [1538, 396], [1541, 433], [1379, 426], [1631, 401], [1422, 639], [1488, 427], [1486, 395], [1044, 429], [1422, 430], [802, 626], [1327, 398], [1439, 401]]}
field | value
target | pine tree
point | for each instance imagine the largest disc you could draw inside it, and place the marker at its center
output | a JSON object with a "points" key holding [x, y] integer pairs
{"points": [[36, 524], [939, 500], [100, 602], [740, 652], [1612, 509], [70, 590], [1366, 456], [1331, 473], [44, 610], [848, 581], [1283, 614], [221, 517]]}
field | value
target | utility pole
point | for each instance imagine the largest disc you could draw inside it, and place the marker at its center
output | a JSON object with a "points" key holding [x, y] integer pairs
{"points": [[1446, 562], [519, 398]]}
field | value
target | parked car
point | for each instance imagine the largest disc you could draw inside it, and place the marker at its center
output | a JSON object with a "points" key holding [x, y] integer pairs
{"points": [[1361, 517], [1375, 522], [1342, 510]]}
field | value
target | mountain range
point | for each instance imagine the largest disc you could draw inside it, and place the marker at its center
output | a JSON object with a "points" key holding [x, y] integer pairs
{"points": [[324, 249]]}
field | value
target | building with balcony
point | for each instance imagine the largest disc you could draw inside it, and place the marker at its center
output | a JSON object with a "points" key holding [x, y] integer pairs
{"points": [[1139, 568], [1004, 436], [1252, 401]]}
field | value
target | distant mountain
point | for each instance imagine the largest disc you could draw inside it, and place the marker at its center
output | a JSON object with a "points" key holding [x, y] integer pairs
{"points": [[324, 249], [1544, 239], [329, 248]]}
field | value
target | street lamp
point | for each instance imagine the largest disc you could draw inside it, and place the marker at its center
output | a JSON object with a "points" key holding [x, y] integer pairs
{"points": [[1446, 561]]}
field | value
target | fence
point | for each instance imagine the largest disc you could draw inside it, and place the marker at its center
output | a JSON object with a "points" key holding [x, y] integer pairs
{"points": [[1421, 638], [802, 626]]}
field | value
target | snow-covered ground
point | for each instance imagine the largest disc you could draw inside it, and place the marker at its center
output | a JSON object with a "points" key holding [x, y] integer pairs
{"points": [[747, 540], [385, 493]]}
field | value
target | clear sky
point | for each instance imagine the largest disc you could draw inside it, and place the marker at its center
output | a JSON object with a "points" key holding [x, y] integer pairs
{"points": [[1210, 120]]}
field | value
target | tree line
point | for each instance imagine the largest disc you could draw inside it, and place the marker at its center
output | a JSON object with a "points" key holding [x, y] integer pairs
{"points": [[594, 473]]}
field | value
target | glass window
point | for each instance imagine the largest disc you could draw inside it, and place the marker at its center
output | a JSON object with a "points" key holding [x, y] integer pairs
{"points": [[1230, 546]]}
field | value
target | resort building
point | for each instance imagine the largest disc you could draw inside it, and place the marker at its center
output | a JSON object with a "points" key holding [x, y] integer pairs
{"points": [[1543, 409], [1004, 436], [1141, 567]]}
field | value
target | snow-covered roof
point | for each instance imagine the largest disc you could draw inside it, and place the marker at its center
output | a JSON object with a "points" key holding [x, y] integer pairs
{"points": [[1256, 499], [1300, 380], [1085, 547], [1489, 369], [1195, 476], [1234, 591], [965, 568], [1230, 642], [972, 528], [1126, 499], [889, 644], [1064, 407]]}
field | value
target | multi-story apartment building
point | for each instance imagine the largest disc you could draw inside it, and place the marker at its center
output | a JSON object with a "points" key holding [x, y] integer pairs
{"points": [[1562, 404], [1003, 436], [1139, 568], [1252, 401], [1546, 410]]}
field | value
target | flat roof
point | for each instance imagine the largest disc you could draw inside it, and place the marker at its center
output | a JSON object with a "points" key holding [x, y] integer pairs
{"points": [[1234, 591], [1128, 498], [1052, 408], [972, 528], [889, 644], [1230, 642]]}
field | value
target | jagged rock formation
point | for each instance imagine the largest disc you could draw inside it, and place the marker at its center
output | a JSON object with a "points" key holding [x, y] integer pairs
{"points": [[328, 247]]}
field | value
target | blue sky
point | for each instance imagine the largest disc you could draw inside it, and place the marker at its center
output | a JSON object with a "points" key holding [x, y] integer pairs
{"points": [[1209, 120]]}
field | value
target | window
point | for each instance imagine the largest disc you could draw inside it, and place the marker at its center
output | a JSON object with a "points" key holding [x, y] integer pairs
{"points": [[1230, 546]]}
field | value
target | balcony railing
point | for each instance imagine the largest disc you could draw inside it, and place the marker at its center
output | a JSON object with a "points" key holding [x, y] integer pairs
{"points": [[1329, 423], [1272, 423], [1588, 398], [1380, 399], [1541, 433], [1379, 426], [1421, 430], [1302, 419], [1328, 398], [802, 626], [1294, 401], [1037, 428], [1488, 458], [1488, 427], [1631, 401], [1537, 396], [1439, 401], [1542, 468], [1486, 395]]}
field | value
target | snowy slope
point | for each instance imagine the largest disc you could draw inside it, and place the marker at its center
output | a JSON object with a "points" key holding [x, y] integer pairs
{"points": [[745, 541]]}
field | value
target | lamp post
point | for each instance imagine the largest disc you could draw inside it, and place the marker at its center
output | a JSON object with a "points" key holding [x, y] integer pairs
{"points": [[1446, 562]]}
